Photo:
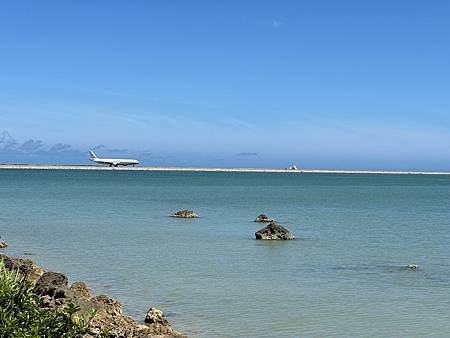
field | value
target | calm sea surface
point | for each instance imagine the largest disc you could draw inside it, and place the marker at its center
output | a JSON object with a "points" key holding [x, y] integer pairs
{"points": [[342, 277]]}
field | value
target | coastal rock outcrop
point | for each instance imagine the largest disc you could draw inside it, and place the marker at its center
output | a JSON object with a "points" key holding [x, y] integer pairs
{"points": [[26, 267], [263, 219], [156, 320], [274, 231], [51, 284], [184, 214], [155, 315], [53, 289], [80, 290], [3, 244]]}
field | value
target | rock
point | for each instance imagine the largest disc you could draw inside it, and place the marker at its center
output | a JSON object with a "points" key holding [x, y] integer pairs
{"points": [[155, 315], [110, 317], [47, 301], [411, 266], [263, 219], [80, 290], [26, 267], [156, 320], [184, 214], [104, 304], [274, 231], [54, 294], [3, 244], [53, 284]]}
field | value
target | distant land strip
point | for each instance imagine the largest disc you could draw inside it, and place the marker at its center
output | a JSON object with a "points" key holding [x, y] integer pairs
{"points": [[195, 169]]}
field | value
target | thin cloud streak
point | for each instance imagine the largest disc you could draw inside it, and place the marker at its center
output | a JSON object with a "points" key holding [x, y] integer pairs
{"points": [[247, 154]]}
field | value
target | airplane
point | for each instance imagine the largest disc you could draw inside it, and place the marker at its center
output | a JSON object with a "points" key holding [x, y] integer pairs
{"points": [[112, 161]]}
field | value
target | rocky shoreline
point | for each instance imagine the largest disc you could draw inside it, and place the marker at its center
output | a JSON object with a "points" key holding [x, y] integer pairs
{"points": [[56, 293]]}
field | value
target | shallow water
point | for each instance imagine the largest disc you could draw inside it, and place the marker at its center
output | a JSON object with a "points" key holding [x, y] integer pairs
{"points": [[342, 276]]}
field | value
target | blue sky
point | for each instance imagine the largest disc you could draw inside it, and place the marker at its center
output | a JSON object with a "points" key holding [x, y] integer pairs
{"points": [[320, 84]]}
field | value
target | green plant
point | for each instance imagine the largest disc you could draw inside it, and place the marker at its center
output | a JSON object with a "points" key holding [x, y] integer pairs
{"points": [[23, 316]]}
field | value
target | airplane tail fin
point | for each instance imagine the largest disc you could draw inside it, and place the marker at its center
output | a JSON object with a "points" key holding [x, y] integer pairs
{"points": [[92, 154]]}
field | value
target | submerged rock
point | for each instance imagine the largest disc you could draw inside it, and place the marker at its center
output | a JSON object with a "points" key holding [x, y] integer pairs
{"points": [[274, 231], [411, 266], [3, 244], [263, 219], [184, 214]]}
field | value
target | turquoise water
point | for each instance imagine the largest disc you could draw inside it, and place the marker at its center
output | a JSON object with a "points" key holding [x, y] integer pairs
{"points": [[341, 277]]}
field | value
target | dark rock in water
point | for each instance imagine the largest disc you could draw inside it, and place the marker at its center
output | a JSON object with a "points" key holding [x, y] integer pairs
{"points": [[184, 214], [3, 244], [51, 284], [274, 231], [264, 219], [26, 267]]}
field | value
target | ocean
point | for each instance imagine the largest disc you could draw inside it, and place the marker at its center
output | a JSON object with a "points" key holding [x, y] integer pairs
{"points": [[343, 276]]}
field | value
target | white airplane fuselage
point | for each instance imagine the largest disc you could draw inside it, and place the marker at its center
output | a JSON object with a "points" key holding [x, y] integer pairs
{"points": [[112, 161]]}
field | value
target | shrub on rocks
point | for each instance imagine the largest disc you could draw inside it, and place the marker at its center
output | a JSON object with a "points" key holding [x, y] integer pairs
{"points": [[22, 313]]}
